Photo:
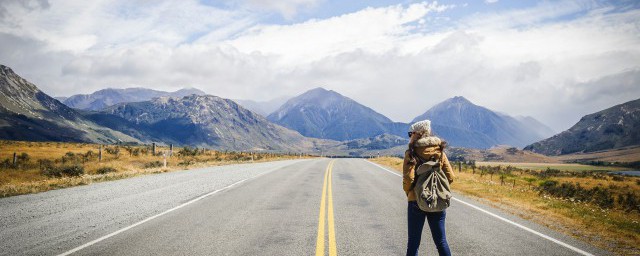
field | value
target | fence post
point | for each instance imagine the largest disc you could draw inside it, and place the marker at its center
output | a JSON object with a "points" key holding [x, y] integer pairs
{"points": [[100, 154], [165, 159], [170, 149], [459, 166], [153, 146], [15, 158]]}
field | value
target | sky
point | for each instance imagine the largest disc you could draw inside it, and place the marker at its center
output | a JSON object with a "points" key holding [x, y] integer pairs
{"points": [[553, 60]]}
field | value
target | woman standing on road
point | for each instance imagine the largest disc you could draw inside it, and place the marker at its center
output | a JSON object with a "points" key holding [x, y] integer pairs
{"points": [[424, 145]]}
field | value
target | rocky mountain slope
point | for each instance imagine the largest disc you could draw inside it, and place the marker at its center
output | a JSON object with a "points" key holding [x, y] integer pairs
{"points": [[320, 113], [202, 120], [464, 124], [26, 113], [108, 97], [615, 127]]}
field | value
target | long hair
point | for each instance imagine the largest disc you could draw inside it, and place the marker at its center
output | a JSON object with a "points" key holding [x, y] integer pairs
{"points": [[413, 157]]}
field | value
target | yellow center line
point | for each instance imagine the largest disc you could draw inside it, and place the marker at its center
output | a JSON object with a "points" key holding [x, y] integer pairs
{"points": [[333, 251], [320, 241]]}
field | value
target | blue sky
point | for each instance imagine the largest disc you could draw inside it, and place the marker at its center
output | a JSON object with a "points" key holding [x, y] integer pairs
{"points": [[553, 60]]}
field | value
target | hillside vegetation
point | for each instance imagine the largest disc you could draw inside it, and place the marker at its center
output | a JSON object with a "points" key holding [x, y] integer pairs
{"points": [[612, 128]]}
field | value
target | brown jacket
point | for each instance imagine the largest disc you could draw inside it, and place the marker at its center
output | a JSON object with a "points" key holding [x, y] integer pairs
{"points": [[426, 148]]}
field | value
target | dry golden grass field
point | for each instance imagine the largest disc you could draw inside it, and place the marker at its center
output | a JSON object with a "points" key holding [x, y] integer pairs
{"points": [[42, 166], [559, 166], [592, 206]]}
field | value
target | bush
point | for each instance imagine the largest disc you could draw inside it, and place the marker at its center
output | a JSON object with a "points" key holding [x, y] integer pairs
{"points": [[45, 163], [71, 171], [74, 170], [6, 164], [105, 170], [601, 197], [153, 164], [187, 151], [23, 158], [112, 150], [549, 173], [69, 157], [617, 178], [186, 163], [629, 202]]}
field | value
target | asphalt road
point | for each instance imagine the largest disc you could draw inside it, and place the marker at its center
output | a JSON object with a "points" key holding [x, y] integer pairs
{"points": [[302, 207]]}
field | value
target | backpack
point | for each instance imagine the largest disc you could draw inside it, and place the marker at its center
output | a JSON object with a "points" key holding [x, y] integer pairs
{"points": [[431, 185]]}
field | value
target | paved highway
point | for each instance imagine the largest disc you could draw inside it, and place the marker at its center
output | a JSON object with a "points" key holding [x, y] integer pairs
{"points": [[299, 207]]}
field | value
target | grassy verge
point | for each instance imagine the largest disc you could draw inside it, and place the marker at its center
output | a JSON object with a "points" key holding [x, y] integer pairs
{"points": [[43, 166], [612, 227], [558, 166]]}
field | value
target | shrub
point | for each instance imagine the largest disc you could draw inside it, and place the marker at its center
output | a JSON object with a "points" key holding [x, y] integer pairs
{"points": [[187, 151], [88, 156], [549, 173], [6, 163], [186, 163], [72, 170], [50, 171], [105, 170], [69, 157], [153, 164], [601, 197], [629, 202], [23, 158], [112, 150]]}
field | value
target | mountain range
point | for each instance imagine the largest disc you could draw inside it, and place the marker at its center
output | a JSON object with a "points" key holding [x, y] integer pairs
{"points": [[615, 127], [318, 120], [109, 97], [26, 113], [201, 120], [465, 124], [326, 114], [320, 113]]}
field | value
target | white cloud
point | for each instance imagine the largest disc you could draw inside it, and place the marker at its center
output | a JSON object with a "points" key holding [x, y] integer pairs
{"points": [[522, 62], [287, 8], [490, 1], [79, 26], [375, 30]]}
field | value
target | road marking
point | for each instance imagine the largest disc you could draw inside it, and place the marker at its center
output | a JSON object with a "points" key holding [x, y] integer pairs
{"points": [[505, 220], [333, 251], [320, 238], [327, 196], [160, 214]]}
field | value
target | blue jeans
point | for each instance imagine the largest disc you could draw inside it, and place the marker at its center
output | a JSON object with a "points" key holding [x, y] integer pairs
{"points": [[415, 219]]}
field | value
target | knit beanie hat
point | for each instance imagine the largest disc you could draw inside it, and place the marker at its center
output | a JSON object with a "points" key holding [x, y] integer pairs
{"points": [[422, 126]]}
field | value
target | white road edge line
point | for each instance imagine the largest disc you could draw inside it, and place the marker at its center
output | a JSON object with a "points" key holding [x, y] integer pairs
{"points": [[505, 220], [160, 214]]}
